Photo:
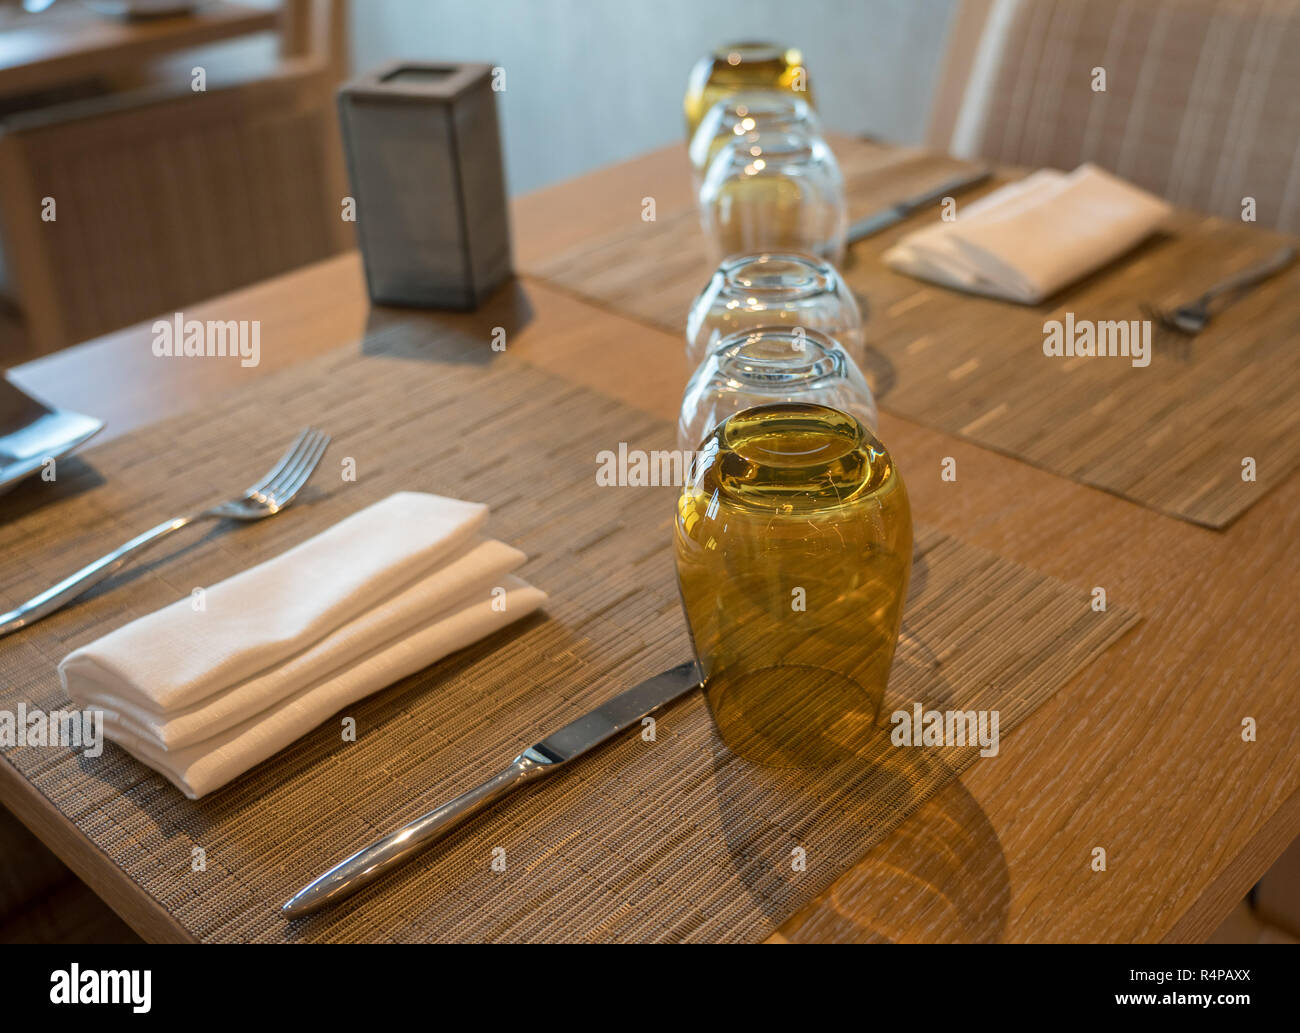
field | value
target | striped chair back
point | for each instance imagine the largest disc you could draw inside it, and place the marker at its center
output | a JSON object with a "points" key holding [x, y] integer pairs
{"points": [[1195, 100], [167, 199]]}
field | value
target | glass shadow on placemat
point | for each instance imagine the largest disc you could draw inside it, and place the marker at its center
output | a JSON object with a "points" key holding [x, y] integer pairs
{"points": [[910, 874], [875, 782], [940, 876]]}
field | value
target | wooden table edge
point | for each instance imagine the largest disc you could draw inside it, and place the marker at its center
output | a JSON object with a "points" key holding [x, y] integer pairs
{"points": [[1223, 892], [109, 882]]}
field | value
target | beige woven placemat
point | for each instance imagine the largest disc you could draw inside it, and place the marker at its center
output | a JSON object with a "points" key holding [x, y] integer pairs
{"points": [[674, 839], [1172, 436]]}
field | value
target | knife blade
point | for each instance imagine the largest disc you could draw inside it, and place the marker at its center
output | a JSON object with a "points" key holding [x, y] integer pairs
{"points": [[886, 217], [538, 761]]}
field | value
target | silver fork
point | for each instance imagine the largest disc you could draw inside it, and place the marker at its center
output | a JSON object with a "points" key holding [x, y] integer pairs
{"points": [[265, 498], [1194, 316]]}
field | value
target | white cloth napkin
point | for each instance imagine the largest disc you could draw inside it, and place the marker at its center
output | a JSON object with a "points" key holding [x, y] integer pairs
{"points": [[1030, 238], [204, 694]]}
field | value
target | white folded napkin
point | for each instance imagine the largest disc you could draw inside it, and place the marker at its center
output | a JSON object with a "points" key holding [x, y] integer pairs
{"points": [[204, 694], [1030, 238]]}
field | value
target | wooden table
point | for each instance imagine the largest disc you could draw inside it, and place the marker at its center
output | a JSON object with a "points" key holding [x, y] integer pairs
{"points": [[1141, 754], [70, 42]]}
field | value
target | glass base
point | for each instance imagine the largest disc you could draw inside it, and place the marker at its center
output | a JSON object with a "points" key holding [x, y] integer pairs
{"points": [[793, 716]]}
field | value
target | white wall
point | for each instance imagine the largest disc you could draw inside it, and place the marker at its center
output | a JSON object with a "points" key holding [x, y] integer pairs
{"points": [[590, 82]]}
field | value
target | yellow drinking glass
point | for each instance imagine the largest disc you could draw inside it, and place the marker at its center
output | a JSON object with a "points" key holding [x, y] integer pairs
{"points": [[740, 67], [794, 548]]}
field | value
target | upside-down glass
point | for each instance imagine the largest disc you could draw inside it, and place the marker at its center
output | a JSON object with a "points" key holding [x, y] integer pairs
{"points": [[774, 191], [748, 112], [766, 366], [743, 66], [794, 546], [773, 289]]}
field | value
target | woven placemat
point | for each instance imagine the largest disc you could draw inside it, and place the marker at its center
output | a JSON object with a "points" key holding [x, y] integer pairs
{"points": [[1172, 436], [674, 839]]}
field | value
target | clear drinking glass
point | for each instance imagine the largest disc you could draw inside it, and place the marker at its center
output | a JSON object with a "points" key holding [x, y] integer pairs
{"points": [[743, 66], [748, 112], [793, 540], [767, 366], [773, 289], [774, 191]]}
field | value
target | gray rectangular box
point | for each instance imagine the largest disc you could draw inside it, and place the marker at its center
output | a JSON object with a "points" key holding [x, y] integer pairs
{"points": [[424, 158]]}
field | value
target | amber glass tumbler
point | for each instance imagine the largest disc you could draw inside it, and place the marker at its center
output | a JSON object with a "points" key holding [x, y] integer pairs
{"points": [[794, 547], [738, 67]]}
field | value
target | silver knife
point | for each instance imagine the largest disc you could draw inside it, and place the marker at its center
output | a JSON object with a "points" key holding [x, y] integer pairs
{"points": [[886, 217], [539, 760]]}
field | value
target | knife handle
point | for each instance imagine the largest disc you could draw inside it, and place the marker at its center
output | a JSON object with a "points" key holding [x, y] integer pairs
{"points": [[367, 865]]}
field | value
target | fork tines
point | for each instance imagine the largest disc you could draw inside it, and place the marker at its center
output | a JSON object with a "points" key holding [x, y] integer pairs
{"points": [[288, 476]]}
